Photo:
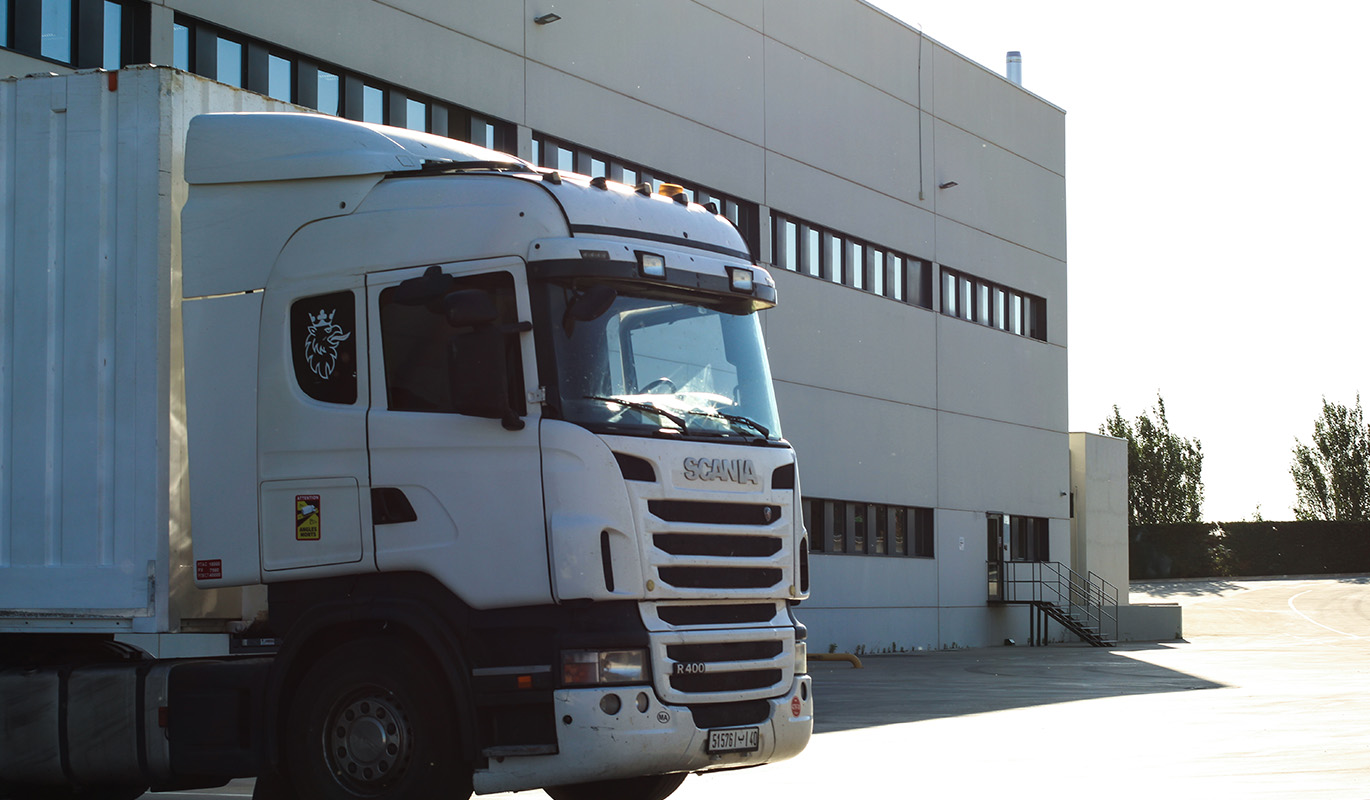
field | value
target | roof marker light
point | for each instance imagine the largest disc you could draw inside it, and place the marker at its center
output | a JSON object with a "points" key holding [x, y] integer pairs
{"points": [[600, 182], [676, 192], [742, 279], [651, 265]]}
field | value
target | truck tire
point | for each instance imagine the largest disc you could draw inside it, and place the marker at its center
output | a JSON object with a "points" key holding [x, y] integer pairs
{"points": [[373, 719], [647, 787]]}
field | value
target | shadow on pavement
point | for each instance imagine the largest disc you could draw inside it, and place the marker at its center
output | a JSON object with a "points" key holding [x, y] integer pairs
{"points": [[934, 685], [1160, 590]]}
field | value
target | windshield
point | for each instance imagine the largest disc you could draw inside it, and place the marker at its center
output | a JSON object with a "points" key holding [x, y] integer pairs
{"points": [[652, 363]]}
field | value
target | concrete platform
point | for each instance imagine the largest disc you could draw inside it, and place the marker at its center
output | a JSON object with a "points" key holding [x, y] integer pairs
{"points": [[1268, 697]]}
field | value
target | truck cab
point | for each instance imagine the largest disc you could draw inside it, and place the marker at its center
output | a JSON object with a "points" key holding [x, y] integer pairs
{"points": [[510, 427]]}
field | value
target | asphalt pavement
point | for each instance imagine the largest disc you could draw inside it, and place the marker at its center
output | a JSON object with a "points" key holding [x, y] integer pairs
{"points": [[1268, 696]]}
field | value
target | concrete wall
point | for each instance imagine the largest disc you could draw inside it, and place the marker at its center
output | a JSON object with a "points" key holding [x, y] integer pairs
{"points": [[1098, 477]]}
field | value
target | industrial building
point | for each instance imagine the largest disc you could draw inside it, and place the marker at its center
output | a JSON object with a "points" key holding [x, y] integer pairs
{"points": [[909, 202]]}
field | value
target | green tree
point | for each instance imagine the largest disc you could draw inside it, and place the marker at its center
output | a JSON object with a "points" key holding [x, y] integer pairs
{"points": [[1164, 471], [1332, 478]]}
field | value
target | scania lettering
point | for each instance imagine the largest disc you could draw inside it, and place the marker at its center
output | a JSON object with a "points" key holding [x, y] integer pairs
{"points": [[375, 464], [737, 470]]}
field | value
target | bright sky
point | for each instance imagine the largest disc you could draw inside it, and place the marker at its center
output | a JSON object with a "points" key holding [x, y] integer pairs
{"points": [[1217, 176]]}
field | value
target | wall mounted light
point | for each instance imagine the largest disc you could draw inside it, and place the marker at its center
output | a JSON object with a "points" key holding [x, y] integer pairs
{"points": [[546, 19], [947, 185]]}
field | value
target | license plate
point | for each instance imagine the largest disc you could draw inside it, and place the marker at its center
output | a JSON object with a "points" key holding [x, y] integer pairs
{"points": [[734, 740]]}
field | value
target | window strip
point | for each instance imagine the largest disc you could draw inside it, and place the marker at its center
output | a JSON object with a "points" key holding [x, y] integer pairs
{"points": [[990, 304], [869, 529]]}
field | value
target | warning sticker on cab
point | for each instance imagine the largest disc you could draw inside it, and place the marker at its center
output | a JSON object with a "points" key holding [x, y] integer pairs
{"points": [[209, 570], [307, 526]]}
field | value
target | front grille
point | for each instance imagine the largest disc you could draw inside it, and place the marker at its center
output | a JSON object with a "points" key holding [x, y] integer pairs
{"points": [[711, 544], [729, 614], [721, 577], [718, 666], [725, 651], [726, 681], [715, 543], [714, 513]]}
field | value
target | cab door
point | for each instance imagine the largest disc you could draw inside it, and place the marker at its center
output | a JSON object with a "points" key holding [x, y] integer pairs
{"points": [[458, 497]]}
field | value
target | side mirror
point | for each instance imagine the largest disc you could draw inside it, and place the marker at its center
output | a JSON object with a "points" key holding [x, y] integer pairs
{"points": [[425, 289], [588, 305]]}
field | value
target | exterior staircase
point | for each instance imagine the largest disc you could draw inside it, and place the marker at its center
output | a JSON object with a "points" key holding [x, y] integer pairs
{"points": [[1085, 605]]}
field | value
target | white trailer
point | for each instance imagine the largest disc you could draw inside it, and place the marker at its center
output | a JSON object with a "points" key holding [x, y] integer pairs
{"points": [[374, 463]]}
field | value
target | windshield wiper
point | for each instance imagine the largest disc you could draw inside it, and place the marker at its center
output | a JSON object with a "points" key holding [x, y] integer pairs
{"points": [[736, 421], [647, 407], [748, 422]]}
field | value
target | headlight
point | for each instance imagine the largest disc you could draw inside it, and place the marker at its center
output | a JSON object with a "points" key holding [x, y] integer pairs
{"points": [[601, 667], [801, 658]]}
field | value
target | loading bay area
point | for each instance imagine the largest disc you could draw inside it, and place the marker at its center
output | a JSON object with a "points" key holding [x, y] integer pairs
{"points": [[1267, 696]]}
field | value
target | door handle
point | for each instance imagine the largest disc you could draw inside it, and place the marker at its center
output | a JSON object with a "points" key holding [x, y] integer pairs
{"points": [[389, 506]]}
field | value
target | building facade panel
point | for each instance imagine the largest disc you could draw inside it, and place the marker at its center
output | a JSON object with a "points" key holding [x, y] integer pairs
{"points": [[962, 558], [833, 122], [869, 583], [901, 222], [983, 255], [992, 374], [891, 355], [987, 105], [888, 58], [558, 103], [984, 465], [459, 65], [748, 12], [870, 630], [856, 448], [999, 192], [649, 66], [297, 23]]}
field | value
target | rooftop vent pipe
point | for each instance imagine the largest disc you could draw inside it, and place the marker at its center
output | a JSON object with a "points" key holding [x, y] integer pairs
{"points": [[1015, 67]]}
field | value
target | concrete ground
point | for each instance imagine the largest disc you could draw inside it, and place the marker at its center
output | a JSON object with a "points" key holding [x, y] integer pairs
{"points": [[1268, 696]]}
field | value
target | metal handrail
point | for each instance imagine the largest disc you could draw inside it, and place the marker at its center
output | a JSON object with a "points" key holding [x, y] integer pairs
{"points": [[1089, 598]]}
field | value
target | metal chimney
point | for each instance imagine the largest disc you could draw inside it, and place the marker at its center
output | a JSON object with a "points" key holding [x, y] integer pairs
{"points": [[1015, 67]]}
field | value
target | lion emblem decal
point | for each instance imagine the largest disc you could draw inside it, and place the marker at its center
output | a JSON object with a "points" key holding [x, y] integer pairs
{"points": [[321, 341]]}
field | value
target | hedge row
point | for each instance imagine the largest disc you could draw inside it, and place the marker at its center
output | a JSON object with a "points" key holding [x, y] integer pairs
{"points": [[1210, 549]]}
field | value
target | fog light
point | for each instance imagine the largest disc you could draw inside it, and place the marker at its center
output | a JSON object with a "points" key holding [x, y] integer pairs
{"points": [[610, 704], [643, 702], [600, 667]]}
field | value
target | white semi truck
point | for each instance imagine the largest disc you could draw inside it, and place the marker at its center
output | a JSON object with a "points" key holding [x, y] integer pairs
{"points": [[388, 466]]}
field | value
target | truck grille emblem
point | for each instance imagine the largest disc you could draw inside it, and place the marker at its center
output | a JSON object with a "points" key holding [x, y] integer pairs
{"points": [[735, 470]]}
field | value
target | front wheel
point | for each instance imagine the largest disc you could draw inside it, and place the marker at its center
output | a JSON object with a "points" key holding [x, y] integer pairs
{"points": [[372, 719], [646, 787]]}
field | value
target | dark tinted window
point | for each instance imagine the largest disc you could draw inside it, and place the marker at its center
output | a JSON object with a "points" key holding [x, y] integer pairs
{"points": [[324, 343], [417, 342]]}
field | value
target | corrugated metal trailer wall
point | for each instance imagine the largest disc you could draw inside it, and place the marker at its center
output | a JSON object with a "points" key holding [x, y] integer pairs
{"points": [[94, 528]]}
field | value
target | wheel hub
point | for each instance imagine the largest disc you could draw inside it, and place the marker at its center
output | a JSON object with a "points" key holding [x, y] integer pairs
{"points": [[369, 741]]}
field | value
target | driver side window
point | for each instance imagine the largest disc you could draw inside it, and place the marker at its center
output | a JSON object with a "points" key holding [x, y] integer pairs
{"points": [[417, 345]]}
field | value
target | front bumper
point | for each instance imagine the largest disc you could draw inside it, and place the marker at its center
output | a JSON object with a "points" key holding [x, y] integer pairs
{"points": [[662, 738]]}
